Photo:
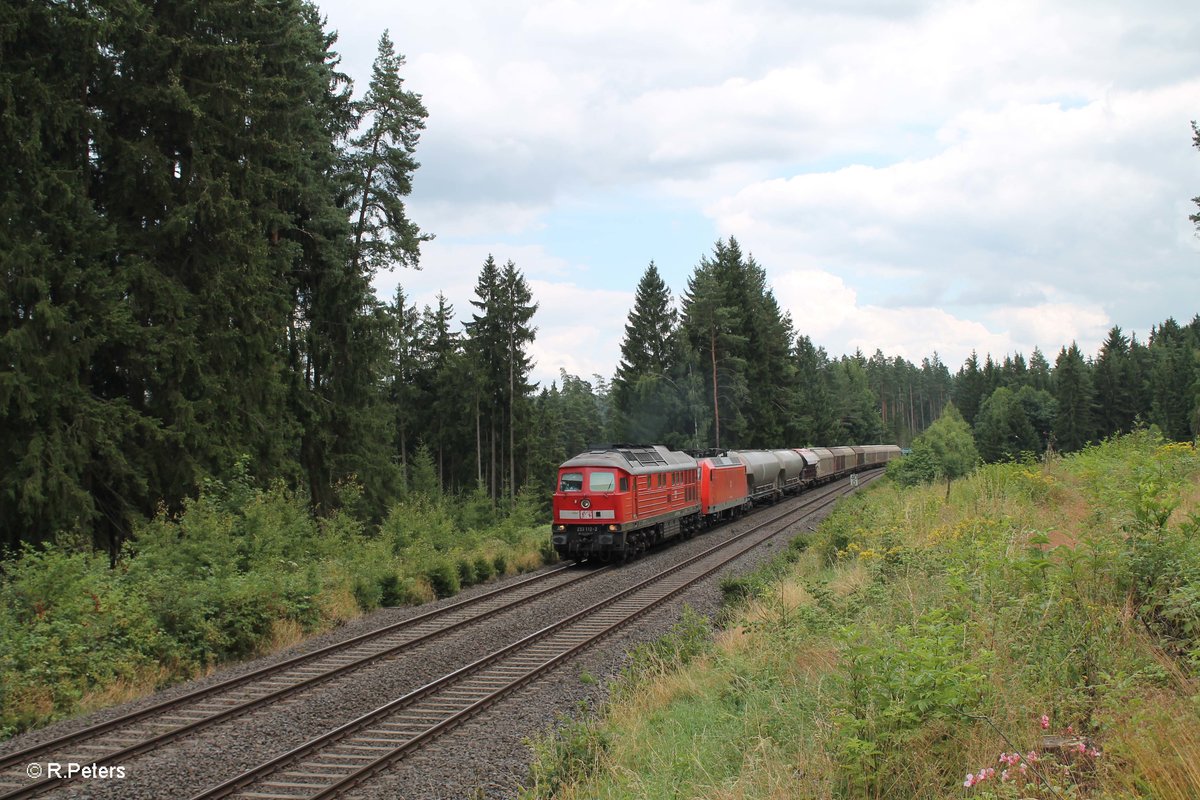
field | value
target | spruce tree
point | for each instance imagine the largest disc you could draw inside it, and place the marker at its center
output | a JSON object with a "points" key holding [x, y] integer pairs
{"points": [[1171, 380], [646, 398], [1002, 428], [498, 339], [1114, 384], [1074, 425], [970, 388], [445, 385], [404, 392], [517, 311], [1039, 371], [71, 448], [486, 347]]}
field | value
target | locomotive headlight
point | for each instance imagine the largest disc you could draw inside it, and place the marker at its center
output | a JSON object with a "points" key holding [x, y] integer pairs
{"points": [[612, 527], [560, 528]]}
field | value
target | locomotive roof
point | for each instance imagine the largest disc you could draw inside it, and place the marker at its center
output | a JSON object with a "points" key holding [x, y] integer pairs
{"points": [[635, 459], [722, 461]]}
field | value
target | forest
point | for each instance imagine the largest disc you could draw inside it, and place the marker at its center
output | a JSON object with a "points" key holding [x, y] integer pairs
{"points": [[187, 296], [216, 439]]}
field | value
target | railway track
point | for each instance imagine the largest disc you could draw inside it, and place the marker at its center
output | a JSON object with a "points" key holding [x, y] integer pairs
{"points": [[352, 754], [138, 732]]}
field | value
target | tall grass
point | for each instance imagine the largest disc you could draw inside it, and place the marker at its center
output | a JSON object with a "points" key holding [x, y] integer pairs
{"points": [[915, 639], [240, 571]]}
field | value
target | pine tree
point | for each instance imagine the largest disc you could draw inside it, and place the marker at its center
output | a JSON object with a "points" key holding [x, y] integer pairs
{"points": [[445, 385], [381, 164], [816, 421], [858, 420], [1195, 218], [712, 323]]}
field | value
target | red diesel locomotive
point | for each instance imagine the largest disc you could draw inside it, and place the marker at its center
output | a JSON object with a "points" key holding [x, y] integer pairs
{"points": [[613, 502], [619, 500]]}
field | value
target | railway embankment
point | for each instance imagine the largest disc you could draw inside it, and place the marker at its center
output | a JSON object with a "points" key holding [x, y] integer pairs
{"points": [[1035, 635], [239, 573]]}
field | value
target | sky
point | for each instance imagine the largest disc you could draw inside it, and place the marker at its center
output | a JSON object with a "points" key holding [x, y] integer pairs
{"points": [[914, 177]]}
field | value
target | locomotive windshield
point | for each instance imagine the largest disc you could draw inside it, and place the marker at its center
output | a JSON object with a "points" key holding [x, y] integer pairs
{"points": [[602, 482], [571, 482]]}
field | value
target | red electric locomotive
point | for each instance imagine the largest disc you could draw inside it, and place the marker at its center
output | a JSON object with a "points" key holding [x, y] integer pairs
{"points": [[613, 502], [723, 492]]}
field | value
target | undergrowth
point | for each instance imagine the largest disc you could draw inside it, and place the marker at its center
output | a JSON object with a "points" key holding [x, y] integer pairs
{"points": [[1037, 635], [241, 571]]}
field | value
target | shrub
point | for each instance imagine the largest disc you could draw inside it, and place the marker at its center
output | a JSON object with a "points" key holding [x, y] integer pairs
{"points": [[484, 570], [466, 572], [443, 578]]}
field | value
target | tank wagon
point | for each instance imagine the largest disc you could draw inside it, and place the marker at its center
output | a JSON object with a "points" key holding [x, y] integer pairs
{"points": [[614, 501]]}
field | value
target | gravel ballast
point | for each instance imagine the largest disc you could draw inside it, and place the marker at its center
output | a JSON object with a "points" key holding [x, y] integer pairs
{"points": [[487, 756]]}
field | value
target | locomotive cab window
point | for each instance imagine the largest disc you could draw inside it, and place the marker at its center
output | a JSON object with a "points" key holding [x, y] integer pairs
{"points": [[571, 482], [624, 484], [602, 482]]}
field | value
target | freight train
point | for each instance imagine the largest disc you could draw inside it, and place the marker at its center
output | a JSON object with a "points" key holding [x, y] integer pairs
{"points": [[614, 501]]}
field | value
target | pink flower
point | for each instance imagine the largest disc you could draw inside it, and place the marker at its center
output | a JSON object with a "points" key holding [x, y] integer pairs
{"points": [[1081, 747], [1004, 775], [970, 781], [1045, 722], [1070, 730]]}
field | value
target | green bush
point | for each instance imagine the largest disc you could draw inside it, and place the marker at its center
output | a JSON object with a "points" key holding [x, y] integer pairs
{"points": [[466, 571], [368, 593], [396, 590], [69, 625], [212, 582], [484, 569], [443, 578]]}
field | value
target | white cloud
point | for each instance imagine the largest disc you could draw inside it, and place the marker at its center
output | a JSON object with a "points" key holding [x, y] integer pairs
{"points": [[913, 176], [579, 328]]}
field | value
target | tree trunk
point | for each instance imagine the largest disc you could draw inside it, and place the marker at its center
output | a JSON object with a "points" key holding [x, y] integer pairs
{"points": [[716, 406], [512, 402], [478, 446]]}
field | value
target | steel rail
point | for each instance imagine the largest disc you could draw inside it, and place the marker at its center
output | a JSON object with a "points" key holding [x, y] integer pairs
{"points": [[219, 712], [470, 689]]}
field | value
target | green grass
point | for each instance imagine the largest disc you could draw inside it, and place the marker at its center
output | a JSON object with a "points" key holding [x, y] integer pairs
{"points": [[914, 639]]}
